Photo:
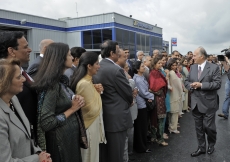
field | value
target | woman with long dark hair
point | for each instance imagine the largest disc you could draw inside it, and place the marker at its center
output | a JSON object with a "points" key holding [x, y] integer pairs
{"points": [[141, 123], [158, 85], [165, 72], [190, 63], [60, 125], [82, 84], [184, 72], [175, 96]]}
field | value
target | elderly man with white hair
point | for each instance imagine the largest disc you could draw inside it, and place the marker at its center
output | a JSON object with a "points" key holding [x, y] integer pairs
{"points": [[156, 52], [140, 55]]}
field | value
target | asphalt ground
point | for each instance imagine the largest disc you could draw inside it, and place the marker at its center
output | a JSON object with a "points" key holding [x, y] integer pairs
{"points": [[182, 145]]}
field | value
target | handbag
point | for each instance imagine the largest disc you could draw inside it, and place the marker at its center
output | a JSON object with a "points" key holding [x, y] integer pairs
{"points": [[150, 105]]}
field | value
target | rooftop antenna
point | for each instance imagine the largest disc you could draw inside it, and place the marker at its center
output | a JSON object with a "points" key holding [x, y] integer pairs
{"points": [[76, 9]]}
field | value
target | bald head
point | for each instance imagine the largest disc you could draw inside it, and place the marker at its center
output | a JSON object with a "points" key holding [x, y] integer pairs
{"points": [[43, 44]]}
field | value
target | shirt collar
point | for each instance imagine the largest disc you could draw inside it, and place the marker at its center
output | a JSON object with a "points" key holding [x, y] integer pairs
{"points": [[111, 61], [41, 55], [202, 65]]}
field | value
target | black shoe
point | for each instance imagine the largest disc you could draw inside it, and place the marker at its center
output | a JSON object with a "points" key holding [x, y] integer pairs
{"points": [[222, 115], [148, 151], [210, 150], [197, 153]]}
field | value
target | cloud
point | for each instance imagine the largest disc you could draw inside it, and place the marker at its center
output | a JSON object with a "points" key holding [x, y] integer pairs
{"points": [[195, 23]]}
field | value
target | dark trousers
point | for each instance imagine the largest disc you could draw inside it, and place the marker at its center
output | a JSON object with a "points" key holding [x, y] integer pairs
{"points": [[140, 131], [205, 124], [113, 151]]}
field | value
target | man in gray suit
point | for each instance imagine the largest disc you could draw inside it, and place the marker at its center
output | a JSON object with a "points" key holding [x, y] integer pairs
{"points": [[116, 100], [203, 81], [33, 68]]}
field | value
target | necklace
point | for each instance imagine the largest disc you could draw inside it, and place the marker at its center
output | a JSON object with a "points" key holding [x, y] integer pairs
{"points": [[12, 107]]}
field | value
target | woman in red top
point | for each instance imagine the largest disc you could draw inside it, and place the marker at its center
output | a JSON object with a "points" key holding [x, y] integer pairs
{"points": [[158, 85]]}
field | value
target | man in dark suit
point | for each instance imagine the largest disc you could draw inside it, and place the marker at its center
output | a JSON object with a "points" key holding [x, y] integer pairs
{"points": [[33, 68], [13, 44], [76, 52], [203, 81], [116, 100]]}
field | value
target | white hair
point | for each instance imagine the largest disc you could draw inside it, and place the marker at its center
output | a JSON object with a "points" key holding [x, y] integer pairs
{"points": [[145, 58], [138, 52], [156, 51]]}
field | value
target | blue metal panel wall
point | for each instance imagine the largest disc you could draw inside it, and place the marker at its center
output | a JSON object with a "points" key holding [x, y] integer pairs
{"points": [[114, 34]]}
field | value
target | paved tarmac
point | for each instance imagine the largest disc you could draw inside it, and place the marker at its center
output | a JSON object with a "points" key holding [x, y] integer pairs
{"points": [[183, 144]]}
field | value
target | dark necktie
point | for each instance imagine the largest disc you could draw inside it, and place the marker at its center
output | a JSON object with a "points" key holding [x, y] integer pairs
{"points": [[27, 77], [199, 71]]}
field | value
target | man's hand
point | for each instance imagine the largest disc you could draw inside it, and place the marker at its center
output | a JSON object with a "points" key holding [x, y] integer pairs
{"points": [[99, 88], [135, 92], [196, 85]]}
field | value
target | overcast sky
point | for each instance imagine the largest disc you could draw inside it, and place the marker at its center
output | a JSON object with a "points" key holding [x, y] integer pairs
{"points": [[194, 22]]}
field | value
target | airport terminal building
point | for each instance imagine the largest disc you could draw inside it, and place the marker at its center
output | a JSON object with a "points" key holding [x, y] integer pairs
{"points": [[88, 32]]}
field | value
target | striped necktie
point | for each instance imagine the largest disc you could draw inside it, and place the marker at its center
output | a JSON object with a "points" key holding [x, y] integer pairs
{"points": [[199, 71]]}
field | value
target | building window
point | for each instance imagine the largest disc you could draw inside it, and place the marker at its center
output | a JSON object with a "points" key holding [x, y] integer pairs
{"points": [[97, 39], [138, 37], [119, 35], [87, 39], [106, 34], [92, 39]]}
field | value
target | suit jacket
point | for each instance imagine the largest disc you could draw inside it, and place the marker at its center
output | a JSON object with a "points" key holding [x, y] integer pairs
{"points": [[33, 68], [69, 72], [205, 98], [133, 109], [146, 73], [28, 101], [16, 144], [116, 98]]}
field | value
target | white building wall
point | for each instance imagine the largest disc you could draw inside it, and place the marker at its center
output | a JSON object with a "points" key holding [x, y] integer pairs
{"points": [[74, 39]]}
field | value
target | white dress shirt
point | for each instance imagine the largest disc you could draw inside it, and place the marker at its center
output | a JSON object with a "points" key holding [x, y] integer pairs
{"points": [[202, 65]]}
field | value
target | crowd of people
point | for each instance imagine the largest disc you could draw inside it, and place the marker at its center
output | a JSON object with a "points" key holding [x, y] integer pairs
{"points": [[69, 107]]}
